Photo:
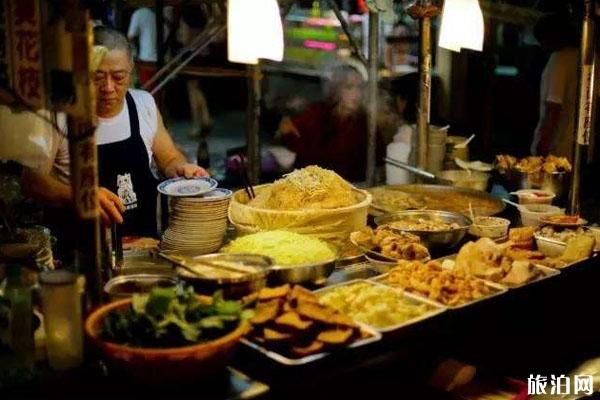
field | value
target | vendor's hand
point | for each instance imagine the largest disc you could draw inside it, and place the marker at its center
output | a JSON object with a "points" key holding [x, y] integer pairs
{"points": [[189, 170], [111, 207], [287, 127]]}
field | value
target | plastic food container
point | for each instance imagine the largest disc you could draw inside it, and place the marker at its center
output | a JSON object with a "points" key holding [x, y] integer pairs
{"points": [[535, 196], [531, 213], [490, 227], [550, 247]]}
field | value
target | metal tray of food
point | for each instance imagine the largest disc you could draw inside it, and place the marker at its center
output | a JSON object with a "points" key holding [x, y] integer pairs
{"points": [[497, 290], [545, 273], [437, 308], [374, 336], [569, 264], [363, 270], [451, 198]]}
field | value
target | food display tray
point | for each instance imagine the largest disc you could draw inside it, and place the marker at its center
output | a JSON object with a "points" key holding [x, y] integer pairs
{"points": [[374, 336], [496, 289], [417, 300], [546, 272], [574, 263]]}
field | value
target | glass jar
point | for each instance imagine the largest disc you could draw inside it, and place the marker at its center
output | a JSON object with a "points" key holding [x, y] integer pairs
{"points": [[61, 304]]}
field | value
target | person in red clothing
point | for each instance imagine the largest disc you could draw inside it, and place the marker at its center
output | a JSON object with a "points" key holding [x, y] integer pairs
{"points": [[333, 133]]}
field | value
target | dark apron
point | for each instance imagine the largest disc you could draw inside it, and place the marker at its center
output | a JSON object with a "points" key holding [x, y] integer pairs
{"points": [[124, 169]]}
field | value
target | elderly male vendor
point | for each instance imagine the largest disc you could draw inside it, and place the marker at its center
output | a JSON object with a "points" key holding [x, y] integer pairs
{"points": [[132, 142]]}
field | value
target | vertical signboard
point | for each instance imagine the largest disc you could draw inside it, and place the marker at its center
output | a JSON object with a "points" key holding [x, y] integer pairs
{"points": [[25, 45]]}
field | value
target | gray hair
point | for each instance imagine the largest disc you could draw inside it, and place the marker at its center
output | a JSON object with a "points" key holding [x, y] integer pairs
{"points": [[339, 73], [112, 40]]}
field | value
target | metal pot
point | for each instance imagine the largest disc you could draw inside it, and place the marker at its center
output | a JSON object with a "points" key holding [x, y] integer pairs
{"points": [[310, 273], [556, 182], [233, 287], [125, 286]]}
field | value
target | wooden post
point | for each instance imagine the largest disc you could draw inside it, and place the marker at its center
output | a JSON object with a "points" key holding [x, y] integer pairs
{"points": [[83, 155], [587, 65], [253, 123], [372, 96], [423, 11]]}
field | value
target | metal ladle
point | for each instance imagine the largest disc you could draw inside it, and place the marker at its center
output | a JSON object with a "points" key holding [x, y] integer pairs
{"points": [[417, 171]]}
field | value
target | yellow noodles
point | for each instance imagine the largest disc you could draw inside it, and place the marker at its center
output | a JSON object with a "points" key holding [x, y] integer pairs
{"points": [[309, 188], [285, 248]]}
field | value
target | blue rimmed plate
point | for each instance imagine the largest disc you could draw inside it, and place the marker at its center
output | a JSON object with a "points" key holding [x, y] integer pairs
{"points": [[183, 187]]}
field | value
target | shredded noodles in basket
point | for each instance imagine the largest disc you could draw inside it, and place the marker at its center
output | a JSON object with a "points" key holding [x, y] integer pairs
{"points": [[285, 248], [308, 188]]}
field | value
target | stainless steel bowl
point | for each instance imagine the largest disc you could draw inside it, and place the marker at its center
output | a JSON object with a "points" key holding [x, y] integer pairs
{"points": [[431, 239], [309, 273], [556, 182], [233, 287], [124, 286]]}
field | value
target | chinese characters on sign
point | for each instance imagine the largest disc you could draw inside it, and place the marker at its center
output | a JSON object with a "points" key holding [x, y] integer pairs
{"points": [[26, 47], [4, 56], [560, 385], [85, 177]]}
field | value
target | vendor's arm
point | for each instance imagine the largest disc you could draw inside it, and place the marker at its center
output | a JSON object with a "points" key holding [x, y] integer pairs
{"points": [[46, 189], [169, 159], [547, 127]]}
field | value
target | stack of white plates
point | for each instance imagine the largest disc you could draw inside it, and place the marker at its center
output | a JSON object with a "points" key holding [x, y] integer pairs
{"points": [[197, 223]]}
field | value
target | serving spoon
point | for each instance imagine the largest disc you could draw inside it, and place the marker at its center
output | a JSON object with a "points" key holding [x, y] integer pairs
{"points": [[465, 143], [512, 203]]}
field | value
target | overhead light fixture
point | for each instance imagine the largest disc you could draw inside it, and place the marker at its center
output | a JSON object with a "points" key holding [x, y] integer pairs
{"points": [[462, 25], [254, 31]]}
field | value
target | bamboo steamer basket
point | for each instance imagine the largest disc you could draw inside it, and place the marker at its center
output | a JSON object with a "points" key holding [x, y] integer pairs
{"points": [[332, 225]]}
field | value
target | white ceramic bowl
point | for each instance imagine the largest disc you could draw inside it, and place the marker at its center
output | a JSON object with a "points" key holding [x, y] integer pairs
{"points": [[535, 196], [490, 227], [531, 213]]}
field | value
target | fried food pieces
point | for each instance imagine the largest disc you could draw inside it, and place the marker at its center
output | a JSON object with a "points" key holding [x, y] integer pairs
{"points": [[399, 246], [497, 262], [533, 164], [436, 283], [290, 321]]}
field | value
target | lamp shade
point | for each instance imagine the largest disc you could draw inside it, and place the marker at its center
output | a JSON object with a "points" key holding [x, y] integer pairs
{"points": [[462, 25], [254, 31]]}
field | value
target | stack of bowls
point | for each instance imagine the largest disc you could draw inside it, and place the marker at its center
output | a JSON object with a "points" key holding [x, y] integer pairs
{"points": [[197, 223]]}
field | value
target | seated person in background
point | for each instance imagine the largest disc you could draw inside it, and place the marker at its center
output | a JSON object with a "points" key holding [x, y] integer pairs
{"points": [[333, 133]]}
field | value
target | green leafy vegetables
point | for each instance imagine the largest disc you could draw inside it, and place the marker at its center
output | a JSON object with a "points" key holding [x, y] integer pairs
{"points": [[172, 317]]}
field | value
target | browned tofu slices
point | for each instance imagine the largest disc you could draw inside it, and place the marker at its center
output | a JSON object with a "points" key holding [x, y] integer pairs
{"points": [[291, 321]]}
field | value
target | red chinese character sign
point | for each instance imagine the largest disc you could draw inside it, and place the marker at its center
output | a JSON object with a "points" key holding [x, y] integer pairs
{"points": [[25, 44]]}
